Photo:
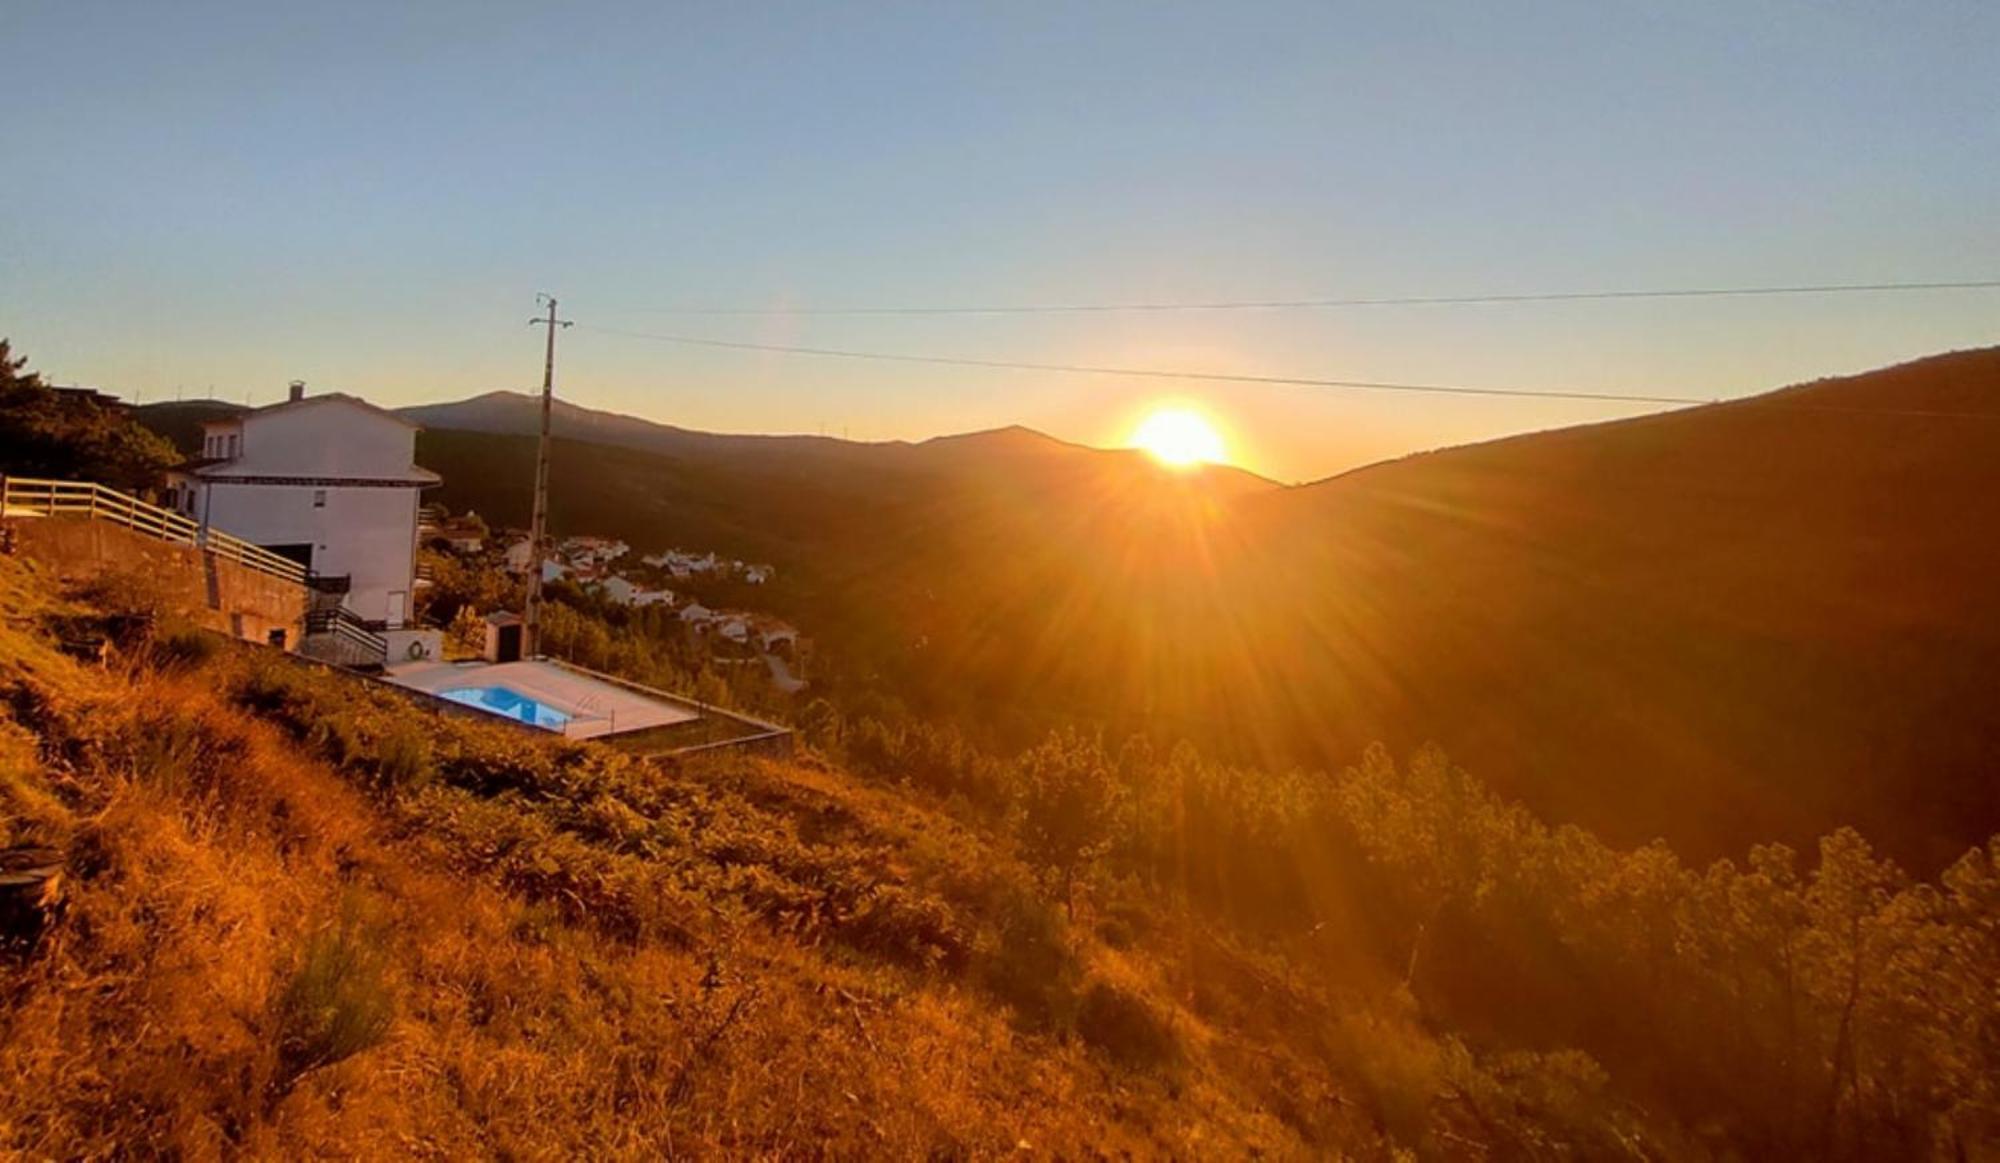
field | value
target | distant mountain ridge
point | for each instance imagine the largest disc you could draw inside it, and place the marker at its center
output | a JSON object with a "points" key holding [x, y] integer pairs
{"points": [[519, 414]]}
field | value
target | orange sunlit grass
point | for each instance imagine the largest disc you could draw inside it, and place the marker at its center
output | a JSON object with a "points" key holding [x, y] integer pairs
{"points": [[1179, 438]]}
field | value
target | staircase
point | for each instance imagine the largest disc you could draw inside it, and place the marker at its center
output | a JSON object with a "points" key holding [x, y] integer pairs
{"points": [[335, 635], [429, 517]]}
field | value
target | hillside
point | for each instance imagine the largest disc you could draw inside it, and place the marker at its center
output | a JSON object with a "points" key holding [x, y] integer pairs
{"points": [[1722, 625], [296, 915], [1752, 621], [303, 917], [180, 420], [997, 451], [1759, 619]]}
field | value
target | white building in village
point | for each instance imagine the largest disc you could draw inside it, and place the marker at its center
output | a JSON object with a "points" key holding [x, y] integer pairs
{"points": [[627, 592], [329, 481], [518, 556]]}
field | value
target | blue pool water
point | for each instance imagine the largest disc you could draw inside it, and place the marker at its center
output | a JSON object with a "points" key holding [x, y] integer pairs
{"points": [[499, 700]]}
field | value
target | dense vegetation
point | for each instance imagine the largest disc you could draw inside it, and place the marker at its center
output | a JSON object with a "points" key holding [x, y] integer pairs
{"points": [[72, 436], [1832, 1007], [305, 916]]}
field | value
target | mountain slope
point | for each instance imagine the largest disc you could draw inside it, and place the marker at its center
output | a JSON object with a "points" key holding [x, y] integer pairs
{"points": [[180, 420], [1722, 625], [1002, 450], [265, 909], [1751, 621], [1757, 619], [1728, 624], [1738, 623]]}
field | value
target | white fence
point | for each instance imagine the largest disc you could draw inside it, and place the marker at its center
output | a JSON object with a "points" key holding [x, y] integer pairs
{"points": [[31, 497]]}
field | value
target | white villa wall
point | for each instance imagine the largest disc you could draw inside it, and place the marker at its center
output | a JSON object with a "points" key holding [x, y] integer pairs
{"points": [[325, 437], [367, 533], [355, 462]]}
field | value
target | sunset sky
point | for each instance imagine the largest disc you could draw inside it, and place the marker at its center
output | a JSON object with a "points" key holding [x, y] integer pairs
{"points": [[228, 196]]}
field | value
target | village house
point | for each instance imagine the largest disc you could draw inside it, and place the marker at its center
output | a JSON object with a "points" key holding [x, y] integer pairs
{"points": [[330, 482], [518, 556], [586, 552], [775, 636], [462, 534], [626, 592], [681, 564]]}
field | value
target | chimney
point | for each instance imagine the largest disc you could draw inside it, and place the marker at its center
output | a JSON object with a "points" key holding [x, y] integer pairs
{"points": [[298, 391]]}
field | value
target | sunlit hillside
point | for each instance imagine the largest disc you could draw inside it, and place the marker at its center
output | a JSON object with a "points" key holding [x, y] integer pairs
{"points": [[302, 917], [1728, 624], [1754, 620], [295, 914]]}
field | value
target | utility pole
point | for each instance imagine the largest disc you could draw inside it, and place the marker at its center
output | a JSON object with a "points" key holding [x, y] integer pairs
{"points": [[531, 636]]}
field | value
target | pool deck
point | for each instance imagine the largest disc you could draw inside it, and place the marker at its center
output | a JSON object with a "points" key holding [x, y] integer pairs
{"points": [[595, 707]]}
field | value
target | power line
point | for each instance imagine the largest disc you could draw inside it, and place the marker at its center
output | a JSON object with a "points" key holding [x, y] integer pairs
{"points": [[1359, 301], [1276, 381], [1149, 373]]}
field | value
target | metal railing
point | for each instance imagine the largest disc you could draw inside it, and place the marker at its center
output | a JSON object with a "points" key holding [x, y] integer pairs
{"points": [[588, 713], [33, 497], [341, 624]]}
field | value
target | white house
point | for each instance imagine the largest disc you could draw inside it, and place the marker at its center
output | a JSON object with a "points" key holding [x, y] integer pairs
{"points": [[771, 634], [696, 614], [681, 564], [329, 481], [593, 551], [518, 555], [627, 592], [462, 535]]}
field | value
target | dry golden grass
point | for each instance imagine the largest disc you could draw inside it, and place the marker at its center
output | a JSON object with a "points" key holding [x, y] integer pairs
{"points": [[613, 961]]}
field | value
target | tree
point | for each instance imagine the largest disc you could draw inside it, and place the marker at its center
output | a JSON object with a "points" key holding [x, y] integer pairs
{"points": [[48, 433], [1066, 801], [466, 635]]}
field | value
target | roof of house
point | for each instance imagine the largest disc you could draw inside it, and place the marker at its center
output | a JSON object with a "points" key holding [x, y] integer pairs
{"points": [[306, 402], [220, 471], [503, 618]]}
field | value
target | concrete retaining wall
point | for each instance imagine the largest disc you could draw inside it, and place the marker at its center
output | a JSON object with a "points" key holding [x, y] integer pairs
{"points": [[219, 595]]}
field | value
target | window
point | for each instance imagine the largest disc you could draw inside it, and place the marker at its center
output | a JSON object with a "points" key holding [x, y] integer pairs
{"points": [[235, 443], [319, 498]]}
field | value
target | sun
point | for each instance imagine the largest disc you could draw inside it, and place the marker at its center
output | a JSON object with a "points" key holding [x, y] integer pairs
{"points": [[1179, 438]]}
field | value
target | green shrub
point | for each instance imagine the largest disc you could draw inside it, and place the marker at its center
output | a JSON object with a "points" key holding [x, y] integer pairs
{"points": [[899, 925], [273, 686], [1031, 966], [185, 647], [1125, 1026], [403, 759], [333, 1005], [177, 755]]}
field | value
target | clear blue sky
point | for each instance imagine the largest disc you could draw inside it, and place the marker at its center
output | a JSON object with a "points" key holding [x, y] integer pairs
{"points": [[367, 196]]}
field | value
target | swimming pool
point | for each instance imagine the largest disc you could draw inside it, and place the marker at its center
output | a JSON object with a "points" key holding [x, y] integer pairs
{"points": [[505, 701]]}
